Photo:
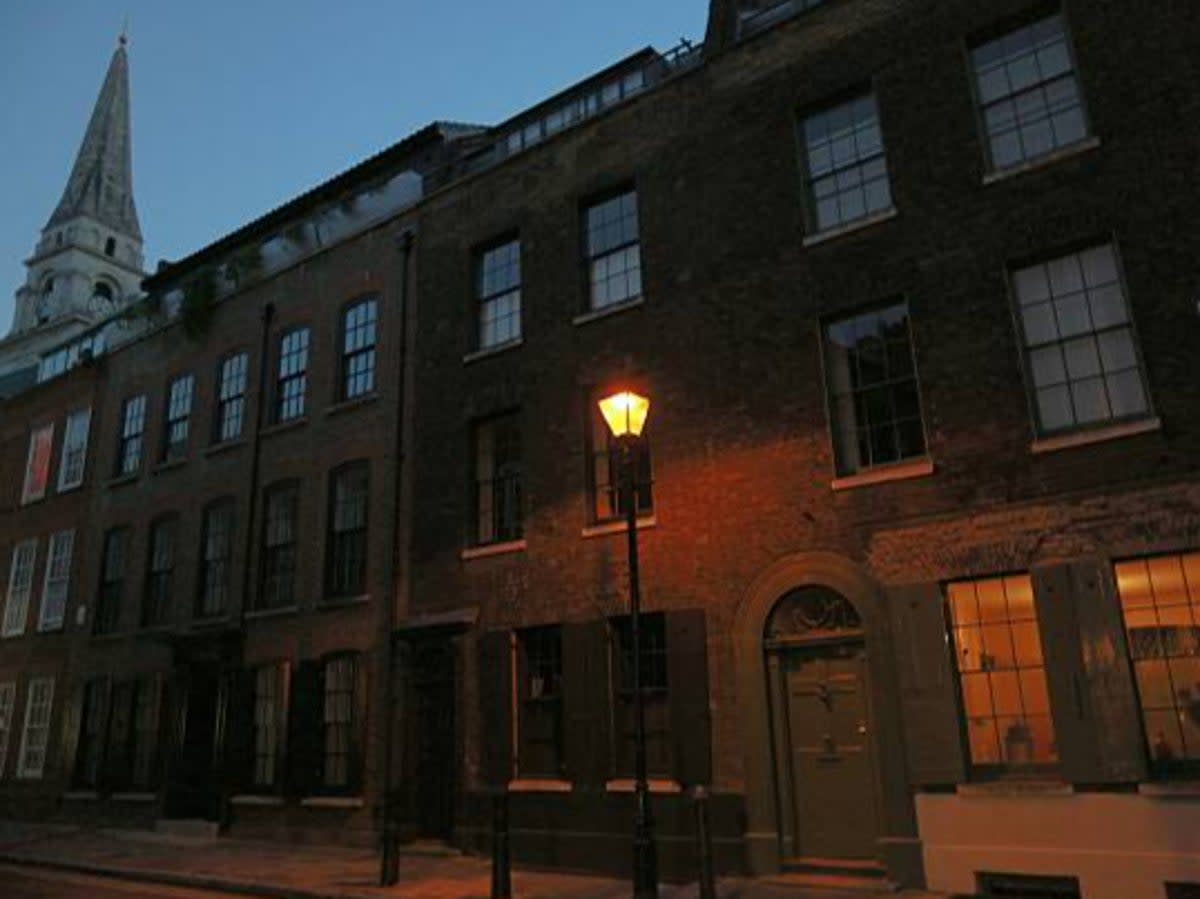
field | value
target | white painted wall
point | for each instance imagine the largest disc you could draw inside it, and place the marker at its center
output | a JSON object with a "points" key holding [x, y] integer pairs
{"points": [[1120, 846]]}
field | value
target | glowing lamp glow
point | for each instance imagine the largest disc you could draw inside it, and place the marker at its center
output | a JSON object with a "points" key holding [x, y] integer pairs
{"points": [[625, 413]]}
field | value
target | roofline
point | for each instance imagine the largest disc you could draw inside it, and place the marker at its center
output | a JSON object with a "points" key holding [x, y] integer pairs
{"points": [[269, 223]]}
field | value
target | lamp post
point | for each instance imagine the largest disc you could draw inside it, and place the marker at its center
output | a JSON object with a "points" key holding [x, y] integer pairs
{"points": [[625, 414]]}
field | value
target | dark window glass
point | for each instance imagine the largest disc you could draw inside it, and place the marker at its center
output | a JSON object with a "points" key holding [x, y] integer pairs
{"points": [[179, 414], [231, 398], [340, 744], [90, 751], [358, 349], [216, 551], [112, 580], [133, 425], [1160, 603], [1080, 349], [1028, 93], [845, 164], [1001, 674], [611, 244], [873, 396], [498, 293], [605, 478], [278, 576], [291, 387], [497, 479], [653, 639], [268, 723], [540, 727], [348, 530], [160, 572], [758, 15]]}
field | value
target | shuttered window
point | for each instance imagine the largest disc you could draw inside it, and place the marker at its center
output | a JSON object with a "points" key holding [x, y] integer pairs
{"points": [[655, 696], [160, 572], [341, 751], [92, 733], [346, 566], [216, 548], [277, 579], [112, 581], [8, 701], [269, 723], [540, 701]]}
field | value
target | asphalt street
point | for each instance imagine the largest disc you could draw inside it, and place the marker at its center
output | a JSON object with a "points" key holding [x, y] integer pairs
{"points": [[29, 883]]}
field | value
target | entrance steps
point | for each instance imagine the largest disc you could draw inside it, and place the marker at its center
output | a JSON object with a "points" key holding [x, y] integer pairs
{"points": [[195, 828], [835, 874]]}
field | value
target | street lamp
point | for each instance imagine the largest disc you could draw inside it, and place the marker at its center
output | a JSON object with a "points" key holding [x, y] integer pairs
{"points": [[625, 413]]}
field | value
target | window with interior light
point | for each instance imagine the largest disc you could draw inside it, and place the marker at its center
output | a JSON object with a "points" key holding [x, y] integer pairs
{"points": [[1160, 605], [1001, 674]]}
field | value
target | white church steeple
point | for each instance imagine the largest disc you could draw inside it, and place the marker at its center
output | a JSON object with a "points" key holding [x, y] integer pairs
{"points": [[88, 261]]}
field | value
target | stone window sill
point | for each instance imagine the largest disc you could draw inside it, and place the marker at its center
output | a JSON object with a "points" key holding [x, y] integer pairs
{"points": [[618, 527], [1084, 146], [216, 621], [123, 479], [343, 602], [1097, 435], [81, 795], [1016, 789], [269, 801], [169, 465], [658, 785], [259, 614], [224, 446], [494, 549], [850, 228], [883, 474], [280, 427], [67, 488], [1177, 789], [348, 802], [615, 309], [134, 797], [497, 350], [356, 403], [540, 785]]}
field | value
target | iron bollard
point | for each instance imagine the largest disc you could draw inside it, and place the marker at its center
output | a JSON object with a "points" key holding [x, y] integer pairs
{"points": [[708, 888], [501, 873]]}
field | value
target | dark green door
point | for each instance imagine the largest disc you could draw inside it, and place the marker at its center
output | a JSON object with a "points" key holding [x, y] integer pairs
{"points": [[832, 769]]}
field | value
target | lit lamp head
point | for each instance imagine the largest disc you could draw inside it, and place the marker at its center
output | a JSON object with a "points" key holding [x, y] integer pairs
{"points": [[625, 413]]}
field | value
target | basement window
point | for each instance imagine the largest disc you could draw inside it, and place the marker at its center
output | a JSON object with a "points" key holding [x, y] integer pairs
{"points": [[1027, 886]]}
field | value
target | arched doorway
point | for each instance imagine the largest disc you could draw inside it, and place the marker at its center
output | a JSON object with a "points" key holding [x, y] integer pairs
{"points": [[816, 658]]}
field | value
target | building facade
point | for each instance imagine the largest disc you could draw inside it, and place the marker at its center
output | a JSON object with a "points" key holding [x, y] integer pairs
{"points": [[911, 287]]}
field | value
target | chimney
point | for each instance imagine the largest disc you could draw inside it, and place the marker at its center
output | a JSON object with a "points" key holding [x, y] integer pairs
{"points": [[722, 26]]}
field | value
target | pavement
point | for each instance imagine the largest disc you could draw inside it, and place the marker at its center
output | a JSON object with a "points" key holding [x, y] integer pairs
{"points": [[282, 871]]}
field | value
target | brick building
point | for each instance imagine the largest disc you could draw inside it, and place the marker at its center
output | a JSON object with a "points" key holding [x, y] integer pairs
{"points": [[912, 289]]}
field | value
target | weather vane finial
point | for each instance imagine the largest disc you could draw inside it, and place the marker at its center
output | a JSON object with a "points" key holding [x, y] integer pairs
{"points": [[123, 39]]}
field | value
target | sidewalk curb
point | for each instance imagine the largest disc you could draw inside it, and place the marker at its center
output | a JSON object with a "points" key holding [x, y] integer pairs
{"points": [[172, 878]]}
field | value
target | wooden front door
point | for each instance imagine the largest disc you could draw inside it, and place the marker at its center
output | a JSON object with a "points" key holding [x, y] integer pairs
{"points": [[832, 771], [433, 735], [192, 788]]}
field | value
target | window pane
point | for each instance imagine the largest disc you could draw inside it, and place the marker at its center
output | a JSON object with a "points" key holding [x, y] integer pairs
{"points": [[846, 170]]}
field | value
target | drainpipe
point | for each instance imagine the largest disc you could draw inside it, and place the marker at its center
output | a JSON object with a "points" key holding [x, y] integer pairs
{"points": [[268, 315], [389, 869]]}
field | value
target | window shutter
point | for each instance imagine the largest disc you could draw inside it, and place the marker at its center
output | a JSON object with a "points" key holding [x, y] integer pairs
{"points": [[495, 707], [358, 736], [118, 765], [239, 730], [1087, 670], [72, 719], [306, 732], [586, 701], [928, 696], [687, 685], [156, 683]]}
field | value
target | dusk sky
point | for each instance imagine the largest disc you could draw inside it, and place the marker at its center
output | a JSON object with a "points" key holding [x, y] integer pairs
{"points": [[239, 107]]}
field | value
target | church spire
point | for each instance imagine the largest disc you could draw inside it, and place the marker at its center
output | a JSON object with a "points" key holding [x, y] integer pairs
{"points": [[101, 182]]}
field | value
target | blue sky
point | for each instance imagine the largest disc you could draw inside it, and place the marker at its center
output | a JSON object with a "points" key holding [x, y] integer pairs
{"points": [[238, 107]]}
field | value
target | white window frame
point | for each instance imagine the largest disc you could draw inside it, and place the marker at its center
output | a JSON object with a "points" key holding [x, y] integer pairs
{"points": [[16, 608], [8, 702], [75, 439], [46, 433], [56, 583], [35, 736]]}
